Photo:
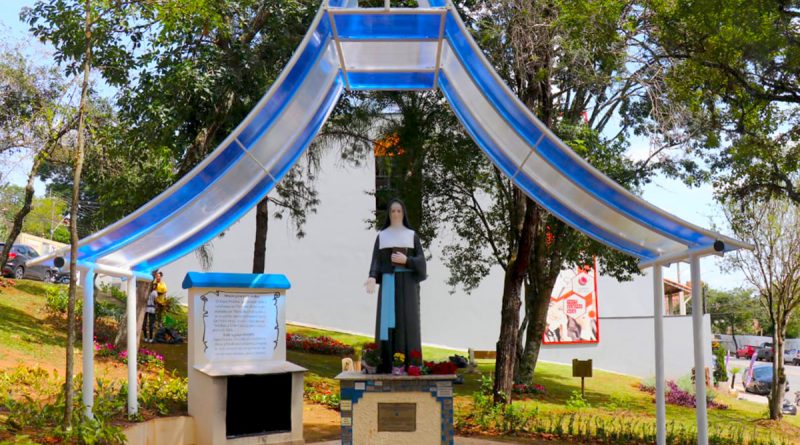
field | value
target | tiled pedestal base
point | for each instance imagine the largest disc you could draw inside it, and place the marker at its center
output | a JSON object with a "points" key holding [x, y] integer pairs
{"points": [[429, 398]]}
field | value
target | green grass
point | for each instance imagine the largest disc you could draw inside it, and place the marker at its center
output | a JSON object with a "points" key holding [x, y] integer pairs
{"points": [[25, 328]]}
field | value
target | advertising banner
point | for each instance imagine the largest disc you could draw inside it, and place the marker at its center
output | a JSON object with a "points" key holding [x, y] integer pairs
{"points": [[573, 315]]}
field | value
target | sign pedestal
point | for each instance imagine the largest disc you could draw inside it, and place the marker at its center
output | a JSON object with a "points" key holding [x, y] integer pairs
{"points": [[241, 388], [387, 409]]}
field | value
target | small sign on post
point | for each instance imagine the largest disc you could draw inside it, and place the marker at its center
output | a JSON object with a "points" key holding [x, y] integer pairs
{"points": [[582, 369]]}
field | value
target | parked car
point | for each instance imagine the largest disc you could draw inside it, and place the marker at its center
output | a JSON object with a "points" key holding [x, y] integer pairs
{"points": [[792, 356], [17, 268], [761, 382], [62, 276], [764, 352], [746, 351]]}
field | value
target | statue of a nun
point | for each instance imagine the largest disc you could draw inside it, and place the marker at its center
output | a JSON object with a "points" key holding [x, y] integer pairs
{"points": [[398, 265]]}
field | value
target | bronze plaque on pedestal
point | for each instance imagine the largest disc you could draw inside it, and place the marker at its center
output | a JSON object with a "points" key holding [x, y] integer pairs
{"points": [[393, 417]]}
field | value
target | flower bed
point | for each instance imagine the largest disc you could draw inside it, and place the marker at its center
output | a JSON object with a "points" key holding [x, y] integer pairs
{"points": [[318, 345], [535, 390], [676, 396], [144, 357]]}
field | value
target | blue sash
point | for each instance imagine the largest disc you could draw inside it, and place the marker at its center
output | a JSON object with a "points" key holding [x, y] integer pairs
{"points": [[387, 302]]}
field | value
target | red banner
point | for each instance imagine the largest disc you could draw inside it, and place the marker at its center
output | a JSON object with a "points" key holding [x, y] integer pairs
{"points": [[573, 315]]}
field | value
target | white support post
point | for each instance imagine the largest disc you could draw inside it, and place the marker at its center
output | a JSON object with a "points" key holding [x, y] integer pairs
{"points": [[658, 327], [133, 403], [88, 342], [699, 358]]}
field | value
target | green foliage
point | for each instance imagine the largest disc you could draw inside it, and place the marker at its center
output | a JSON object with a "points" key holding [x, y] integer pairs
{"points": [[733, 66], [577, 401], [720, 370], [178, 319], [164, 392], [322, 392], [33, 399], [57, 297], [115, 292]]}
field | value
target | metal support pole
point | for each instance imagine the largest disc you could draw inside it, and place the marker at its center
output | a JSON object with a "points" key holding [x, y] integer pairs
{"points": [[88, 342], [133, 403], [699, 356], [658, 328]]}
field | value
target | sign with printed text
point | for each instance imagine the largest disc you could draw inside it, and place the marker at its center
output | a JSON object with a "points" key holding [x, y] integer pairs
{"points": [[573, 315], [238, 327]]}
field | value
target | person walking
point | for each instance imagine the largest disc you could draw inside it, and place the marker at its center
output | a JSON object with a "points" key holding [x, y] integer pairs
{"points": [[150, 315]]}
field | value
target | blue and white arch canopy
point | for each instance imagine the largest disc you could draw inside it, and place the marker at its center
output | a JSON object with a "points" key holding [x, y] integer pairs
{"points": [[389, 49]]}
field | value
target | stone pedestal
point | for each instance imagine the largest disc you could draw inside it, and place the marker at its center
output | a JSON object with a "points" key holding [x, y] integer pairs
{"points": [[379, 409], [242, 390]]}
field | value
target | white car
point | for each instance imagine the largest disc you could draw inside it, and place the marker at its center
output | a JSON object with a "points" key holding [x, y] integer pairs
{"points": [[791, 356]]}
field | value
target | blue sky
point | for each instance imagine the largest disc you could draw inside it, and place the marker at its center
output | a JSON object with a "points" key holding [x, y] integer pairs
{"points": [[695, 205]]}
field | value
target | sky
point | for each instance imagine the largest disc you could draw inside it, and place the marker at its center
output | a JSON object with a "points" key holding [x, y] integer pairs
{"points": [[695, 205]]}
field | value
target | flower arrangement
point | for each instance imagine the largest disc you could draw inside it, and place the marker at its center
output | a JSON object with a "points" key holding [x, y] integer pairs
{"points": [[439, 368], [370, 355], [398, 363], [318, 345]]}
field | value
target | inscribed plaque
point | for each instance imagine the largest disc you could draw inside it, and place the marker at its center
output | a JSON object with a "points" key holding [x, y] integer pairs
{"points": [[239, 326], [397, 417]]}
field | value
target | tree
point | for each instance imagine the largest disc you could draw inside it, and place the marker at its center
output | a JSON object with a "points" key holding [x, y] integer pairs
{"points": [[734, 68], [85, 34], [772, 268], [35, 117], [733, 311], [578, 67]]}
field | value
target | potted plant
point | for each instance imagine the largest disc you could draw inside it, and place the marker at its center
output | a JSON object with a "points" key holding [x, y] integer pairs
{"points": [[370, 358], [398, 363]]}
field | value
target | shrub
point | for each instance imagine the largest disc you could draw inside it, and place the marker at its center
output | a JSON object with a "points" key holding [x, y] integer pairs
{"points": [[34, 401], [577, 401], [164, 392], [677, 395]]}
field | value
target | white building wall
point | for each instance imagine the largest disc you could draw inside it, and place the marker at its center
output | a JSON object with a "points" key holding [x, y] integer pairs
{"points": [[328, 268]]}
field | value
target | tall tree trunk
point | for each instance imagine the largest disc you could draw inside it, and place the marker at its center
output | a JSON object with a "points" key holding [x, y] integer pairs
{"points": [[19, 218], [262, 227], [537, 302], [505, 363], [778, 374], [73, 221]]}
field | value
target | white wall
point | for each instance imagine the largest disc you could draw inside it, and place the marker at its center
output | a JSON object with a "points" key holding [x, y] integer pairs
{"points": [[626, 346], [328, 267]]}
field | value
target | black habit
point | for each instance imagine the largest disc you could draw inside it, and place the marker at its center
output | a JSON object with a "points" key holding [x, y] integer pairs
{"points": [[405, 336]]}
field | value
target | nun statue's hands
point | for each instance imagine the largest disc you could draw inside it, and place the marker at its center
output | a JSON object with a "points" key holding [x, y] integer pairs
{"points": [[370, 285]]}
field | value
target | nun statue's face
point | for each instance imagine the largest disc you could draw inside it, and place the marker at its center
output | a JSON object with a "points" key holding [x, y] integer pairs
{"points": [[396, 214]]}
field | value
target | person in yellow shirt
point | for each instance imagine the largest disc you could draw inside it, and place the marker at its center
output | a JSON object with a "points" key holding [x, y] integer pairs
{"points": [[161, 296]]}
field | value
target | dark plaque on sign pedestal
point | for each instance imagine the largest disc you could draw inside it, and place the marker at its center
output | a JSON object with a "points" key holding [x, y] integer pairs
{"points": [[397, 417]]}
